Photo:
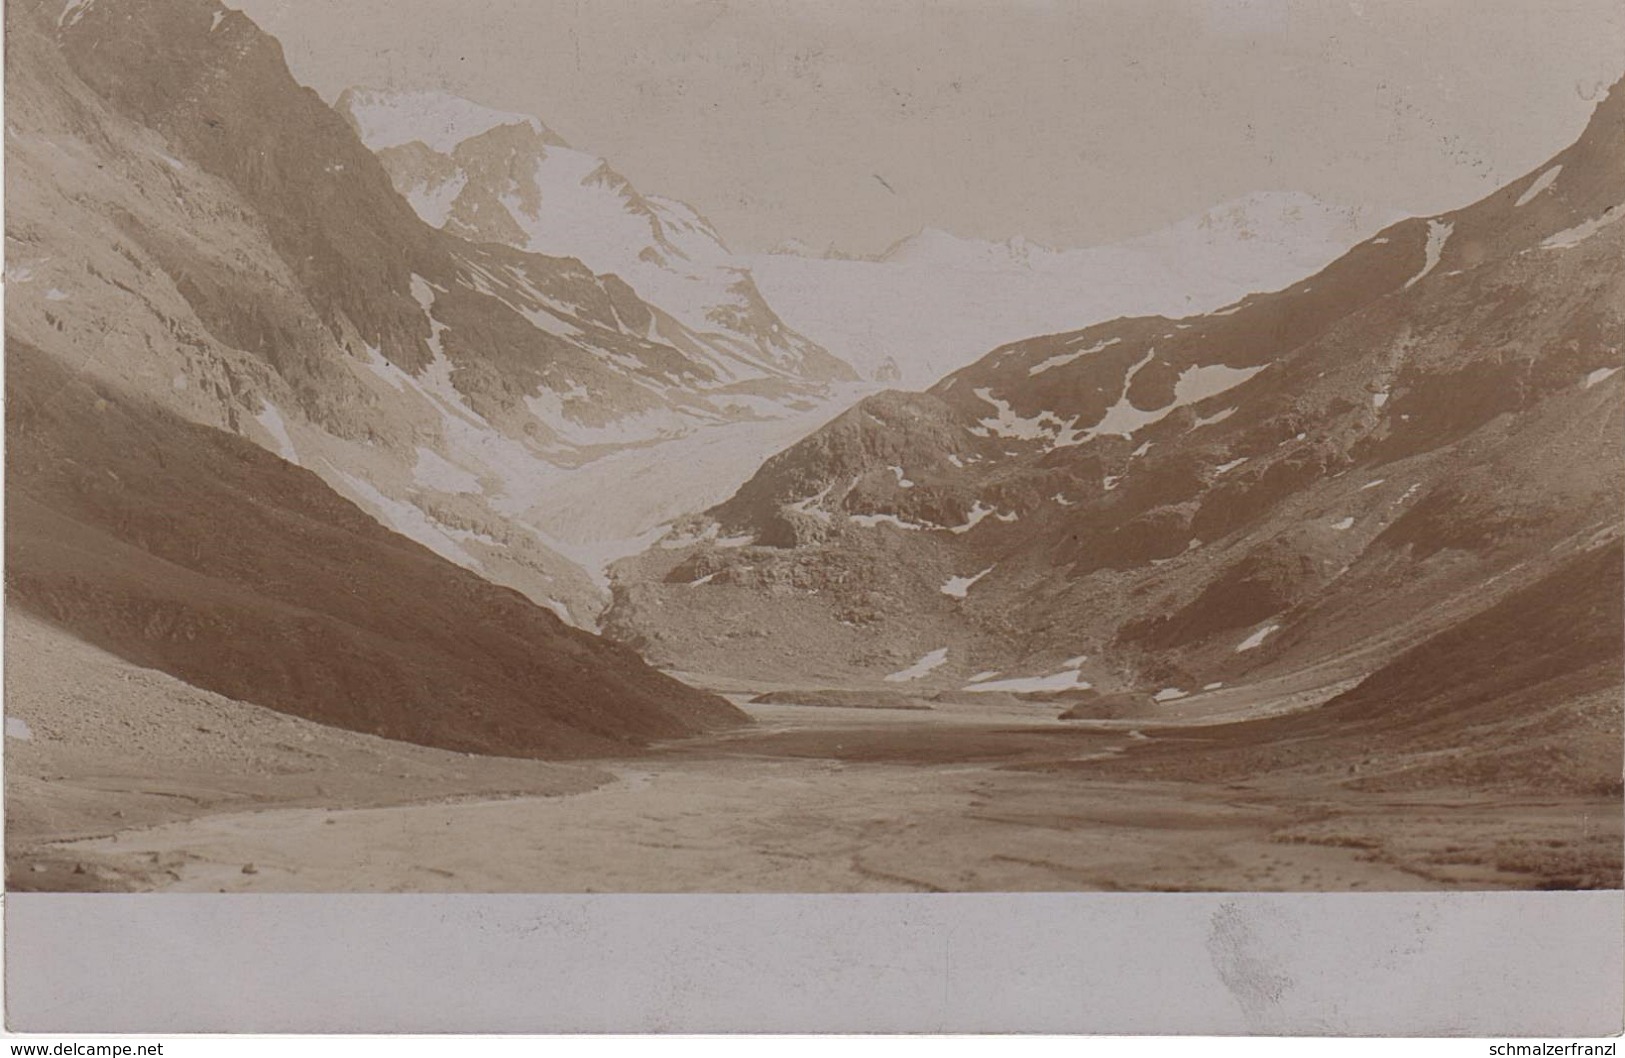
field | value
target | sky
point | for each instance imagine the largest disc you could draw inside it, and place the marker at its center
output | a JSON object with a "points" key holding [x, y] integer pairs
{"points": [[853, 123]]}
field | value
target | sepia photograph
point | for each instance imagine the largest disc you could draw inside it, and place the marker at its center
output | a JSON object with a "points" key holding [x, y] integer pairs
{"points": [[819, 447]]}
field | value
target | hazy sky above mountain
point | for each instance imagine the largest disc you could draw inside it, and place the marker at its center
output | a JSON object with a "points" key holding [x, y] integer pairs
{"points": [[853, 123]]}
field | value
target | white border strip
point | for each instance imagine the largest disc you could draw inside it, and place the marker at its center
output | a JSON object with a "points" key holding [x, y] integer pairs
{"points": [[1475, 964]]}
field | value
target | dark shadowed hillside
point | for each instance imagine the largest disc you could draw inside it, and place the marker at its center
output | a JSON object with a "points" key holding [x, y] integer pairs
{"points": [[187, 550]]}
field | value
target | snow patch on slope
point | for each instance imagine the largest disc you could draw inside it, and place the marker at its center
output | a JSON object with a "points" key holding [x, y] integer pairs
{"points": [[923, 667], [1045, 425], [434, 202], [1257, 638], [870, 521], [1572, 237], [1195, 384], [959, 587], [978, 512], [1541, 183], [1067, 680], [407, 520], [1438, 234], [271, 419], [1062, 359]]}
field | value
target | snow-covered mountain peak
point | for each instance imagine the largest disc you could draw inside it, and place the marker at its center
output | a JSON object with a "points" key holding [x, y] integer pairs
{"points": [[1285, 218], [439, 120], [496, 177], [925, 241], [935, 248], [965, 296]]}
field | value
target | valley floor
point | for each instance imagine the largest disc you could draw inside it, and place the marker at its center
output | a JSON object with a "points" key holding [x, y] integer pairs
{"points": [[176, 790]]}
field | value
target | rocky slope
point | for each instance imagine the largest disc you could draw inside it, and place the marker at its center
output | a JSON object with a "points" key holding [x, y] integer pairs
{"points": [[935, 302], [201, 254], [1315, 479], [172, 190]]}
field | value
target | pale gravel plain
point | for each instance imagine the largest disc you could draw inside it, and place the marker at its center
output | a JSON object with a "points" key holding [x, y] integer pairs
{"points": [[133, 780]]}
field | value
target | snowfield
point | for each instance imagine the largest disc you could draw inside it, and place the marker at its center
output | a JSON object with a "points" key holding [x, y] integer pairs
{"points": [[1541, 183], [438, 120], [923, 667], [1438, 234], [1256, 640], [959, 587], [1067, 680], [936, 302]]}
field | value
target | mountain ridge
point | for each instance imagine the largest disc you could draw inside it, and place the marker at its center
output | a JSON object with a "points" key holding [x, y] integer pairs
{"points": [[969, 295], [222, 318], [1309, 477], [288, 293], [497, 177]]}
